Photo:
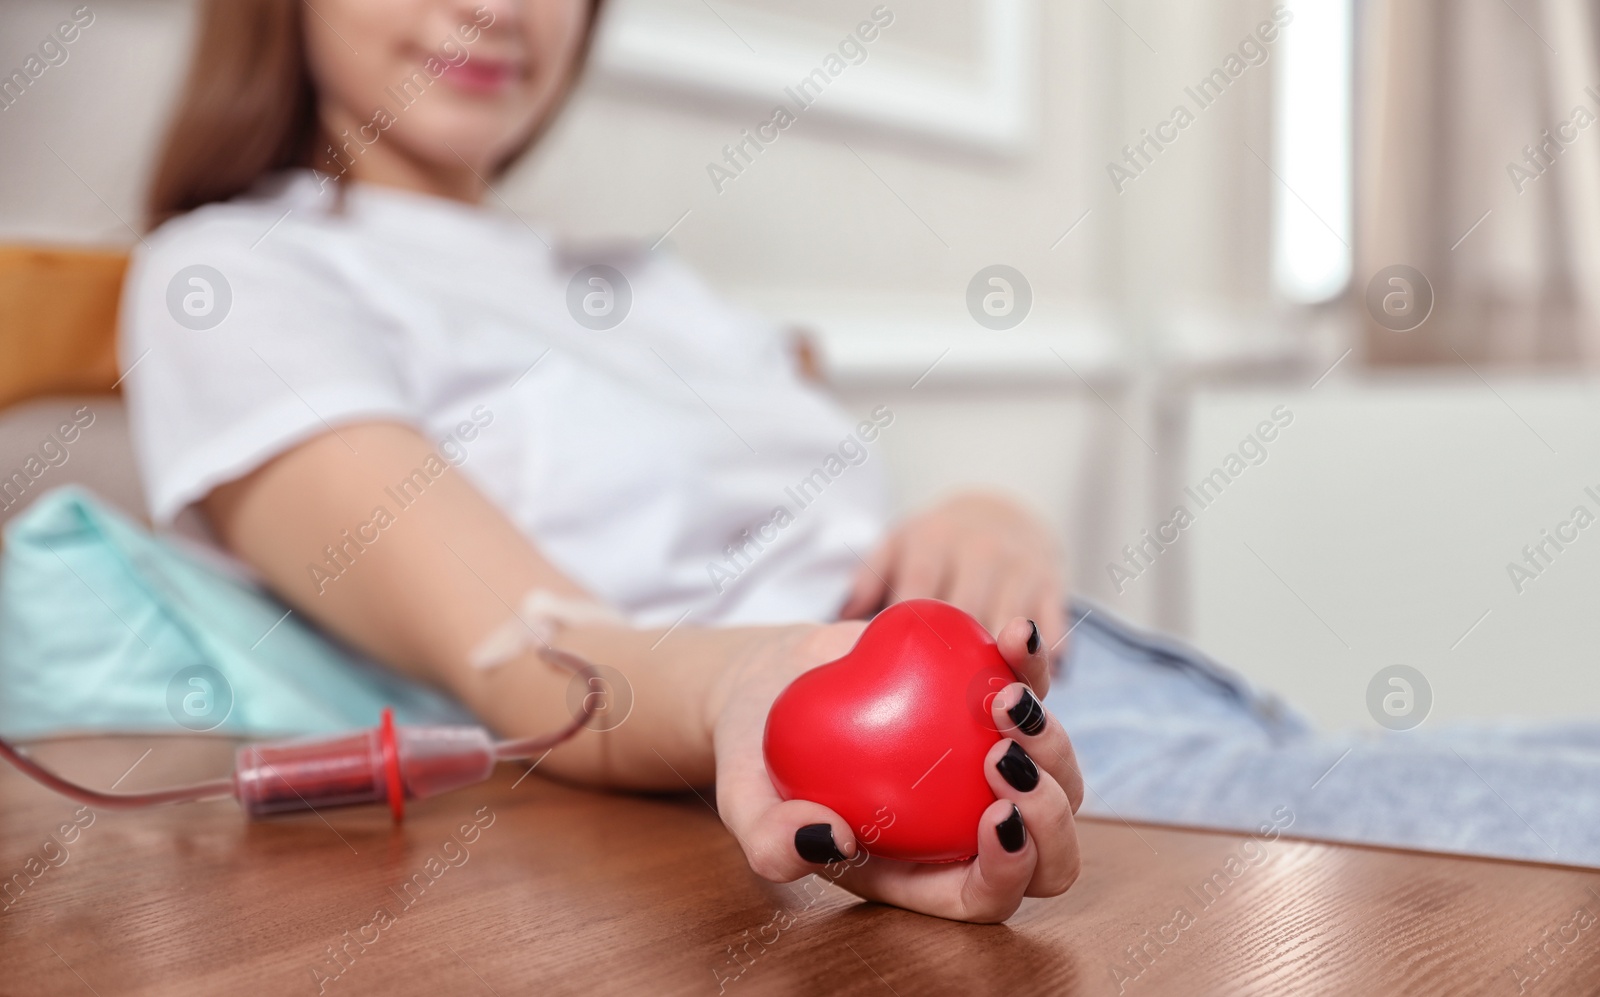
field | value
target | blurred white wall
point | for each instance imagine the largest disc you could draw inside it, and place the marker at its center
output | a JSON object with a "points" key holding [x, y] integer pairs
{"points": [[1379, 531]]}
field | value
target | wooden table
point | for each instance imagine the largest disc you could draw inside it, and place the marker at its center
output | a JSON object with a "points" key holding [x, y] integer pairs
{"points": [[553, 890]]}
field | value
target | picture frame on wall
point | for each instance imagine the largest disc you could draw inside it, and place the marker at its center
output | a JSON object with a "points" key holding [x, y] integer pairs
{"points": [[955, 72]]}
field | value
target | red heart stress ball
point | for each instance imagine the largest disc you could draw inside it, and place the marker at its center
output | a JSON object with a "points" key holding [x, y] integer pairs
{"points": [[892, 736]]}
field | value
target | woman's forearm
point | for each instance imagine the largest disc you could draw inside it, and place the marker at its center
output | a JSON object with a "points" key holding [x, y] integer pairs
{"points": [[656, 700], [443, 577]]}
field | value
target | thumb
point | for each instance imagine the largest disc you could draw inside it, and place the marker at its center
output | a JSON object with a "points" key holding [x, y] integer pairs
{"points": [[795, 838]]}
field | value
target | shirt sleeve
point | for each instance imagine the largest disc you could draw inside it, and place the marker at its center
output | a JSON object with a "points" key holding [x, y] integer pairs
{"points": [[235, 347]]}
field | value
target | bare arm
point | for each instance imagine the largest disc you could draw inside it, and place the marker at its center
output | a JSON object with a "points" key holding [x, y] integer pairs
{"points": [[445, 572]]}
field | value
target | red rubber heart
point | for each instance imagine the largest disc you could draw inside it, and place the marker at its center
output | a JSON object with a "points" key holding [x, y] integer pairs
{"points": [[892, 736]]}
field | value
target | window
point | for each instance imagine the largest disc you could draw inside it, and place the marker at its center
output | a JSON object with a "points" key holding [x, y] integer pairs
{"points": [[1311, 244]]}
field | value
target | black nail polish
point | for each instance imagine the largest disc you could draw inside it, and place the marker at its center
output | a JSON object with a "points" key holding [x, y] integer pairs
{"points": [[1033, 638], [1028, 715], [815, 843], [1017, 768], [1010, 831]]}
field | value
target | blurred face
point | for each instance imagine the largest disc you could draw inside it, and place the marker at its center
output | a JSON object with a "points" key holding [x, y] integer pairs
{"points": [[431, 95]]}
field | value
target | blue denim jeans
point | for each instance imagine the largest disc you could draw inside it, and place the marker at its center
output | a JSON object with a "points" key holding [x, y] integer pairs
{"points": [[1165, 734]]}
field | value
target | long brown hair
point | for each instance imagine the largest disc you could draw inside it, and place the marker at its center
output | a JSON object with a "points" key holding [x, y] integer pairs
{"points": [[249, 108]]}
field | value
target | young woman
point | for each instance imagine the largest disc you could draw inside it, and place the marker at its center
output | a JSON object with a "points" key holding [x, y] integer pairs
{"points": [[391, 402], [378, 393]]}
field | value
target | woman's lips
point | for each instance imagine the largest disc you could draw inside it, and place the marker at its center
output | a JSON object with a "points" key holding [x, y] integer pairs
{"points": [[482, 76]]}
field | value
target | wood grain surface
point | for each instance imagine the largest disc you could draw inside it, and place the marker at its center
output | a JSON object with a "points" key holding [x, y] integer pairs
{"points": [[531, 887]]}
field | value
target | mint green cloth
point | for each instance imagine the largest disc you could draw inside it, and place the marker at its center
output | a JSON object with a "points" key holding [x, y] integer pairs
{"points": [[97, 617]]}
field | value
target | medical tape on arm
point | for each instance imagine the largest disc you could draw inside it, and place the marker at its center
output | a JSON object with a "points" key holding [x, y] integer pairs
{"points": [[542, 615]]}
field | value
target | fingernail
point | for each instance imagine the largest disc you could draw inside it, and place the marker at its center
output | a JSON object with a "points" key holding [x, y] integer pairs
{"points": [[815, 843], [1028, 715], [1018, 769], [1033, 638], [1010, 831]]}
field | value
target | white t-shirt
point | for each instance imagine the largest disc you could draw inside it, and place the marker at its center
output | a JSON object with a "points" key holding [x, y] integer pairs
{"points": [[634, 456]]}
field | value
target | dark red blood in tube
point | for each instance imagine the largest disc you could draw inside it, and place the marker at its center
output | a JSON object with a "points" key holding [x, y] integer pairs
{"points": [[300, 775], [350, 768]]}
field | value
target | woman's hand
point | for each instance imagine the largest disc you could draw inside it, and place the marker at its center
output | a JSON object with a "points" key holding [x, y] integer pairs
{"points": [[1027, 839], [981, 553]]}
